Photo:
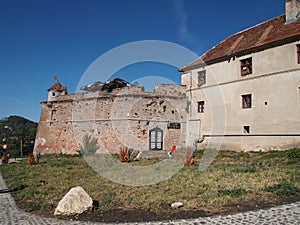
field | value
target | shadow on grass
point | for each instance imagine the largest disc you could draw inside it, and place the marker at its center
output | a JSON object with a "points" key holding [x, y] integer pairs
{"points": [[4, 191]]}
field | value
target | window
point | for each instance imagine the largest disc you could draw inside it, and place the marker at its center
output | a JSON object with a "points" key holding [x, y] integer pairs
{"points": [[246, 66], [298, 53], [53, 94], [201, 107], [156, 139], [53, 115], [201, 77], [246, 129], [246, 101]]}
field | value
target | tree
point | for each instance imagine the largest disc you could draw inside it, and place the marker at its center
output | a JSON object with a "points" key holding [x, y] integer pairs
{"points": [[19, 134]]}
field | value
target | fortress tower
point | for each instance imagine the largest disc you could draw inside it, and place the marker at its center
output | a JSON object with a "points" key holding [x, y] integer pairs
{"points": [[56, 90]]}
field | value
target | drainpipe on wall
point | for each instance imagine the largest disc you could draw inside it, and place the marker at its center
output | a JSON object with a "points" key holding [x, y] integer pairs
{"points": [[191, 95], [196, 141]]}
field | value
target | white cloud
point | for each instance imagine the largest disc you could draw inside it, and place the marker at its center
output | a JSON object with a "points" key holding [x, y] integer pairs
{"points": [[182, 20], [9, 99]]}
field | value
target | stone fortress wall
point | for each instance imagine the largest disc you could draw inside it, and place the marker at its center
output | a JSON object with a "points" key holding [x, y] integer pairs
{"points": [[124, 117]]}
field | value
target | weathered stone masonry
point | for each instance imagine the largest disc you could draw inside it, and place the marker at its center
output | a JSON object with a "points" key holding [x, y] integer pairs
{"points": [[124, 117]]}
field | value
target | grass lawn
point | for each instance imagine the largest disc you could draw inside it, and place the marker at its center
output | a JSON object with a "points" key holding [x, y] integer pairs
{"points": [[233, 179]]}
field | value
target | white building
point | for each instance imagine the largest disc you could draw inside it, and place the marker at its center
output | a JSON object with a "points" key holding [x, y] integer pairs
{"points": [[248, 88]]}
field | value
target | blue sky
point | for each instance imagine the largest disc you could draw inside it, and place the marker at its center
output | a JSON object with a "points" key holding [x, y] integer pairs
{"points": [[41, 39]]}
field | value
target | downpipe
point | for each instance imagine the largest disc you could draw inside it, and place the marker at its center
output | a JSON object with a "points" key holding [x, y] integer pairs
{"points": [[196, 141]]}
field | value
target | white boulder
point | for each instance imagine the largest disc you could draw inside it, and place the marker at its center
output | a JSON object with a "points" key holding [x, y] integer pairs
{"points": [[76, 201], [176, 205]]}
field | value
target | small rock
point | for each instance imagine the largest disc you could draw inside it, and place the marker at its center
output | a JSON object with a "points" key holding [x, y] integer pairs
{"points": [[134, 154], [138, 155], [176, 205], [76, 201], [258, 149]]}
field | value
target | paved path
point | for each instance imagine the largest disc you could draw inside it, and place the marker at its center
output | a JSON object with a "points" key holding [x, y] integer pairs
{"points": [[287, 214]]}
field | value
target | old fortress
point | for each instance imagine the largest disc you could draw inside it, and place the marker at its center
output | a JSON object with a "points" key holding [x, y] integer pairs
{"points": [[255, 75]]}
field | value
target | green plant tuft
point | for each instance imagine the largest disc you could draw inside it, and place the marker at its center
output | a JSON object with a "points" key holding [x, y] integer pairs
{"points": [[294, 153], [284, 188], [90, 145], [248, 169], [234, 193], [30, 207]]}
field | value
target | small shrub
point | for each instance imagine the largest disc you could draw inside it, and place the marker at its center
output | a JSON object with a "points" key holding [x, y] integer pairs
{"points": [[284, 188], [90, 145], [123, 154], [189, 159], [32, 160], [5, 158]]}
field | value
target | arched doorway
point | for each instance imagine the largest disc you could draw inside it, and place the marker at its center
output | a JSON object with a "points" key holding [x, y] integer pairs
{"points": [[156, 139]]}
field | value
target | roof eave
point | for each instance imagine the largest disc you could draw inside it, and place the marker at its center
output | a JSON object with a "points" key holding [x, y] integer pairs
{"points": [[242, 53]]}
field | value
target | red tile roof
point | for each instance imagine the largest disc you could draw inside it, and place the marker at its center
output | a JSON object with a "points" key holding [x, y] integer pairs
{"points": [[58, 87], [262, 36]]}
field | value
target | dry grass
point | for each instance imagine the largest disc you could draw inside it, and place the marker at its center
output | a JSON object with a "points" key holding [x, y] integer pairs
{"points": [[123, 154], [32, 160], [188, 159], [232, 178], [5, 158]]}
